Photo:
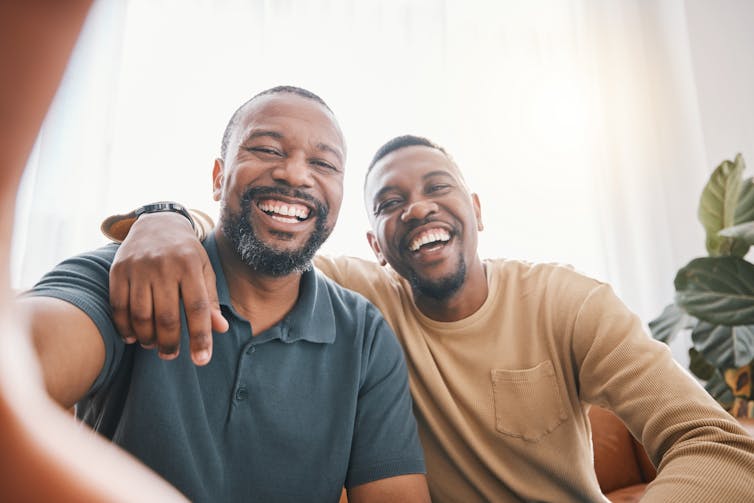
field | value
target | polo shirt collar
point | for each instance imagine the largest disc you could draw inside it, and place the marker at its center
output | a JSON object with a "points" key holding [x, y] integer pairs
{"points": [[312, 317]]}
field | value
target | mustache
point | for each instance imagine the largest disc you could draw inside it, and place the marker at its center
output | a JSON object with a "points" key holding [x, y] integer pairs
{"points": [[320, 209]]}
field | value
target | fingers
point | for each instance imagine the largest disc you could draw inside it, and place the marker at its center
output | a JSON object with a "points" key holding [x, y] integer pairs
{"points": [[119, 296], [167, 319], [218, 322], [140, 311], [144, 312], [197, 307], [160, 263]]}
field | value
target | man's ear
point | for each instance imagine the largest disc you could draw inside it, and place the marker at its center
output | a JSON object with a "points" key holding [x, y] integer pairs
{"points": [[477, 211], [217, 179], [376, 247]]}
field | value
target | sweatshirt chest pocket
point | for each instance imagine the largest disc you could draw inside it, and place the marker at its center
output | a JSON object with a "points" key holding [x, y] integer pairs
{"points": [[527, 402]]}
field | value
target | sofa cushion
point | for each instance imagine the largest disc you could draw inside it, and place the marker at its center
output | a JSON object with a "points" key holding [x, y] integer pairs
{"points": [[614, 455]]}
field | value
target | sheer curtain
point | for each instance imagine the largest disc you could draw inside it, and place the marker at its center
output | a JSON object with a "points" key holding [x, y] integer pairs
{"points": [[577, 122]]}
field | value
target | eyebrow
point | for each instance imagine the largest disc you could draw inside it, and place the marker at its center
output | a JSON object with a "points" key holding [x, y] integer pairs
{"points": [[388, 188], [332, 150], [265, 133], [437, 172], [259, 133]]}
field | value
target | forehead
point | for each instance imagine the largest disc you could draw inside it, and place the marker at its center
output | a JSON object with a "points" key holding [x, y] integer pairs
{"points": [[294, 117], [409, 166]]}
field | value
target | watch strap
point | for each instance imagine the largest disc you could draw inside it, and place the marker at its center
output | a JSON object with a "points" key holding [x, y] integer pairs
{"points": [[161, 206]]}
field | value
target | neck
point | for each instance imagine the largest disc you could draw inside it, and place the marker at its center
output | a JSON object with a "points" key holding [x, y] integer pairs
{"points": [[463, 303], [262, 299]]}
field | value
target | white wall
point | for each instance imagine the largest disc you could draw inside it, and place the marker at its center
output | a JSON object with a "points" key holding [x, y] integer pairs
{"points": [[721, 38], [721, 33]]}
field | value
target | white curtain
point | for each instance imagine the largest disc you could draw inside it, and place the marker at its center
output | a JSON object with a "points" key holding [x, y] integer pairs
{"points": [[579, 123]]}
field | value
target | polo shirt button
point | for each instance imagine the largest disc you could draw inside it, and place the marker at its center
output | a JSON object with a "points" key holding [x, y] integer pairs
{"points": [[252, 349], [242, 394]]}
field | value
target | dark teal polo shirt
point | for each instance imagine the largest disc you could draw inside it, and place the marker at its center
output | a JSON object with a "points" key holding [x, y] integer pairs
{"points": [[294, 413]]}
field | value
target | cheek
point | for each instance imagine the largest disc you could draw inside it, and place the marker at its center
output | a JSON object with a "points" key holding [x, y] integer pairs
{"points": [[335, 201], [387, 237], [233, 185], [331, 191]]}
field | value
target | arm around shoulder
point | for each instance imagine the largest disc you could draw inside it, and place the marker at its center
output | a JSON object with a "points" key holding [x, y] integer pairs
{"points": [[117, 227]]}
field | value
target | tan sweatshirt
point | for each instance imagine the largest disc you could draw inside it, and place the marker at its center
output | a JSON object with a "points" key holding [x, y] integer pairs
{"points": [[501, 396]]}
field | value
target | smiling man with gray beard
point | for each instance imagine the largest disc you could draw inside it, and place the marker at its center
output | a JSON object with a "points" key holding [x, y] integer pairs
{"points": [[306, 391]]}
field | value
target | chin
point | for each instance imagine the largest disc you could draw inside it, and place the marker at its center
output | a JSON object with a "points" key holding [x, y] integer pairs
{"points": [[439, 287]]}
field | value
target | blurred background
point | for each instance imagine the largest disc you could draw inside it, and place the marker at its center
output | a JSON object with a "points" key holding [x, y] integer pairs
{"points": [[587, 127]]}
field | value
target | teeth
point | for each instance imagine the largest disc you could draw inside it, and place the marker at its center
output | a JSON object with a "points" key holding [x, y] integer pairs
{"points": [[430, 236], [278, 208]]}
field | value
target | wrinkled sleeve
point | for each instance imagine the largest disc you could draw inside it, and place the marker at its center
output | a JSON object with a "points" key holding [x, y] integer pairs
{"points": [[386, 442], [702, 453], [84, 282]]}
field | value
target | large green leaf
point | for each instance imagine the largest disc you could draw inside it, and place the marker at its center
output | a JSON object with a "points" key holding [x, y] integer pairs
{"points": [[724, 346], [719, 290], [742, 232], [719, 390], [717, 206], [672, 320], [745, 207]]}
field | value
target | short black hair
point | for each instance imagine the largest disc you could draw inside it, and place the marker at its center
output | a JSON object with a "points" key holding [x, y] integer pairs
{"points": [[273, 90], [403, 141], [399, 142]]}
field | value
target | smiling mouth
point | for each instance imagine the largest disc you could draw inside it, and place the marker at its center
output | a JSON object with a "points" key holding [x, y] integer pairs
{"points": [[429, 239], [284, 211]]}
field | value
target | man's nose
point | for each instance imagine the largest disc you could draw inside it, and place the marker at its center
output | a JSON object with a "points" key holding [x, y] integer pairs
{"points": [[293, 171], [419, 210]]}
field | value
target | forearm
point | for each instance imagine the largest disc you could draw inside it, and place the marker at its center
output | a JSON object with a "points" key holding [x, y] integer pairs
{"points": [[702, 453], [711, 470], [41, 441]]}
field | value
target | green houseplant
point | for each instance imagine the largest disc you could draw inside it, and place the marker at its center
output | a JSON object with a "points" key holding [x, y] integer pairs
{"points": [[715, 294]]}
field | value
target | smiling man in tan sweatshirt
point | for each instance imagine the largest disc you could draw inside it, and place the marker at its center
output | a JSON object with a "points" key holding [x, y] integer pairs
{"points": [[504, 356]]}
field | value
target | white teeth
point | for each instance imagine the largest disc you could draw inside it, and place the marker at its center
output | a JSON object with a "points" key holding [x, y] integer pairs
{"points": [[430, 236], [282, 209], [279, 218]]}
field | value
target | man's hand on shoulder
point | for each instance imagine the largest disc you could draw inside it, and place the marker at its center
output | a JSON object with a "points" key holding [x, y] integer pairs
{"points": [[160, 262]]}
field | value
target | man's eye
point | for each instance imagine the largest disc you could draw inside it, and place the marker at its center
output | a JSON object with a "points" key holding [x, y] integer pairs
{"points": [[323, 164], [438, 187], [387, 205], [266, 150]]}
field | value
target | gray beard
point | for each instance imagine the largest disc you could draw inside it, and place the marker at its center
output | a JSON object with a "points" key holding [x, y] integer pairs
{"points": [[440, 289], [258, 255]]}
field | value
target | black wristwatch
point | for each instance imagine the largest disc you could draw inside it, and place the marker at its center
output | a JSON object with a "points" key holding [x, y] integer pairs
{"points": [[164, 206]]}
